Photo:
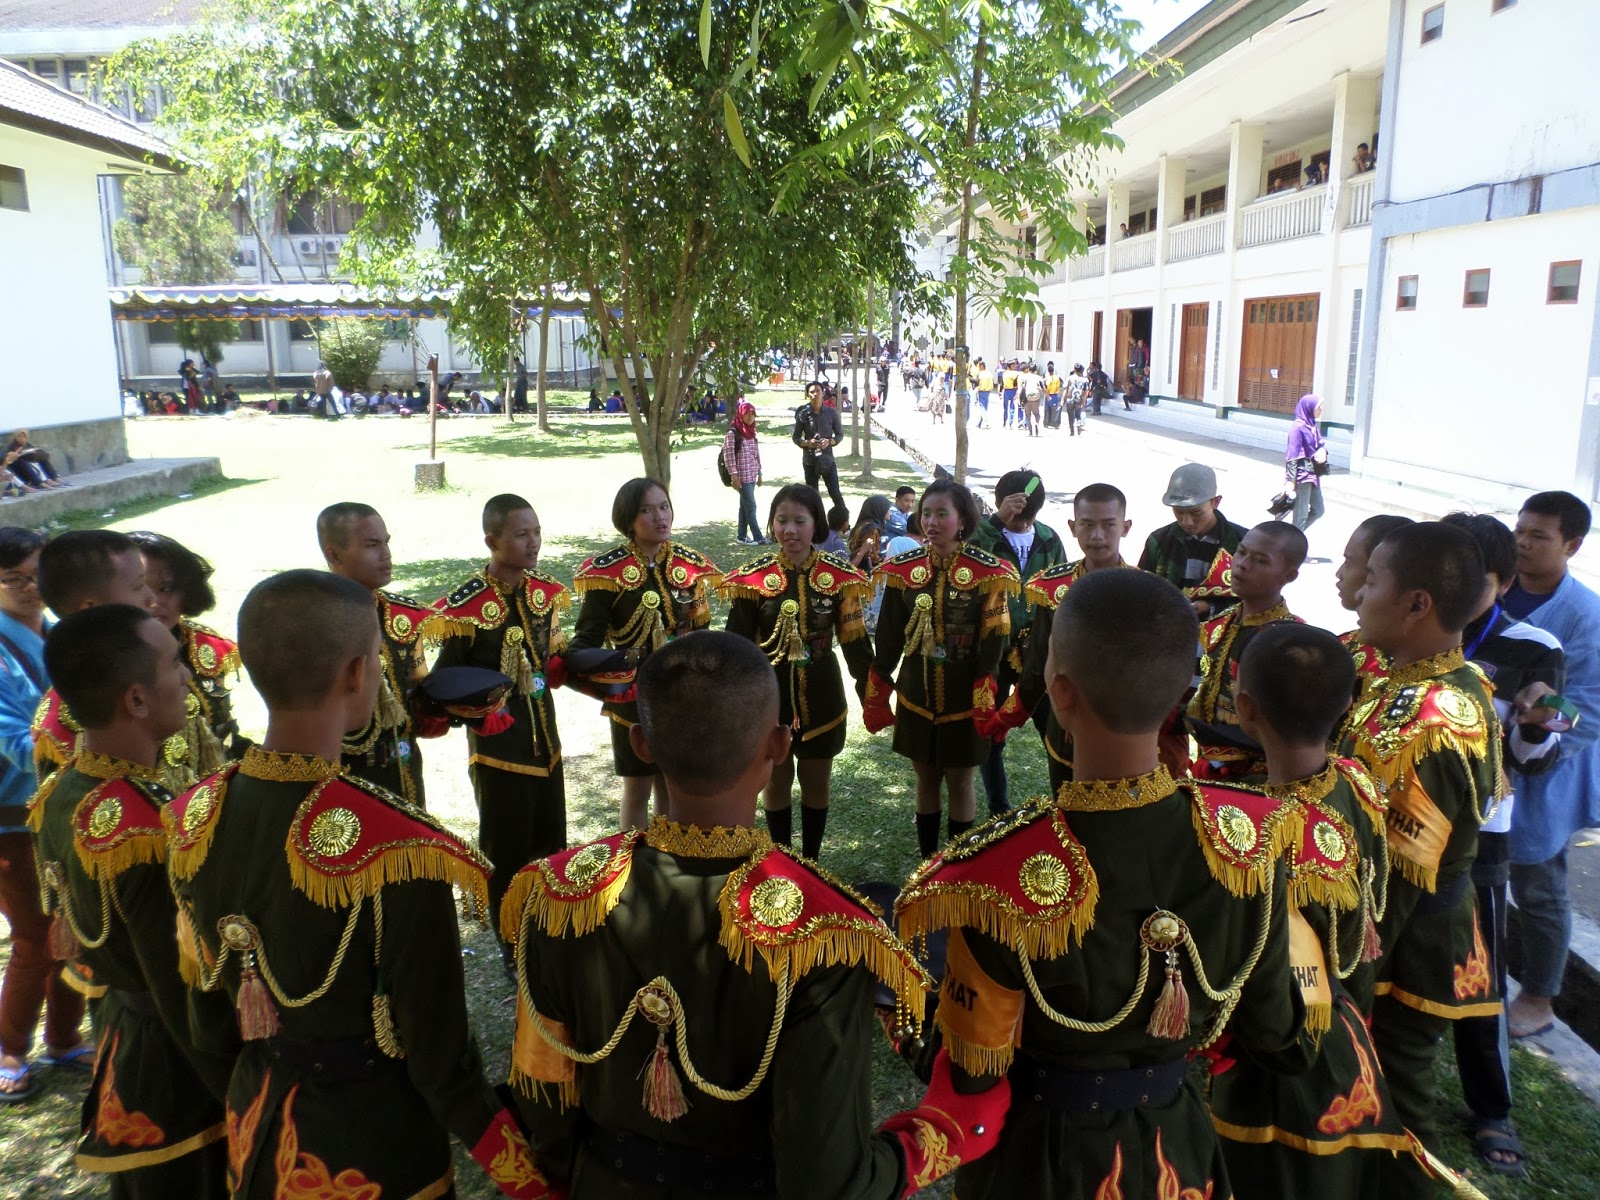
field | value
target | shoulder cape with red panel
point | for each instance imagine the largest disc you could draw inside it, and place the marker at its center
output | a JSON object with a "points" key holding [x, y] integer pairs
{"points": [[209, 654], [403, 619], [620, 570], [55, 734], [764, 577]]}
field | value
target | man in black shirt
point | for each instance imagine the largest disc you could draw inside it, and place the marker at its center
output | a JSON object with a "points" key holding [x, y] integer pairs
{"points": [[816, 431], [1524, 663]]}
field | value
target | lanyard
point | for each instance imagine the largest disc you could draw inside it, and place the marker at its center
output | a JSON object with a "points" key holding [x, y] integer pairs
{"points": [[1494, 615]]}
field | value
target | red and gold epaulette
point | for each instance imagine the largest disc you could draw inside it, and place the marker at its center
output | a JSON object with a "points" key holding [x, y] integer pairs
{"points": [[1213, 631], [1049, 586], [546, 594], [832, 575], [403, 619], [908, 569], [117, 825], [574, 890], [1372, 801], [798, 917], [618, 569], [1399, 725], [757, 579], [210, 655], [1021, 877], [1218, 581], [686, 568], [55, 733], [473, 606], [348, 839], [1243, 834], [1324, 860], [1372, 664], [191, 820], [980, 570]]}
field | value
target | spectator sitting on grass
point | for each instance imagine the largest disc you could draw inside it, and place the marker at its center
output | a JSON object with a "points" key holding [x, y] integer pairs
{"points": [[838, 531]]}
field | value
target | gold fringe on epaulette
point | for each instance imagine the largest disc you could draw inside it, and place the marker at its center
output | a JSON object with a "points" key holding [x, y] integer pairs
{"points": [[558, 1096], [973, 906], [1424, 877], [189, 949], [739, 591], [141, 848], [557, 914], [40, 796], [1341, 895], [422, 859], [183, 860], [514, 901], [1283, 829], [1429, 740], [47, 754], [1010, 585], [827, 942], [974, 1060], [1319, 1019], [584, 584], [440, 629]]}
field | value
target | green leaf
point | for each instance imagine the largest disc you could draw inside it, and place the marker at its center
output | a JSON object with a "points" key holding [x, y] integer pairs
{"points": [[730, 118], [705, 33]]}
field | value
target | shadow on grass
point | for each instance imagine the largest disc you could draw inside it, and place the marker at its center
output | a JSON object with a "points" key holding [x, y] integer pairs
{"points": [[95, 518], [580, 435]]}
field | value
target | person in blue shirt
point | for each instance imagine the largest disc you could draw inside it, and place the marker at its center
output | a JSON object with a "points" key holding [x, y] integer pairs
{"points": [[32, 979]]}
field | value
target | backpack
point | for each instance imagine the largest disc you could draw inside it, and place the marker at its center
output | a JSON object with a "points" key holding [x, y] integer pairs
{"points": [[722, 462]]}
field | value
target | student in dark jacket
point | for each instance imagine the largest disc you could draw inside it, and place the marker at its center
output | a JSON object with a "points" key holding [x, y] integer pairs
{"points": [[1195, 552]]}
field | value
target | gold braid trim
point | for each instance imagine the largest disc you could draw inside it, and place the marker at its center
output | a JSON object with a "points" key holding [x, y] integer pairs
{"points": [[436, 630], [693, 841], [278, 767], [40, 798], [104, 766], [1278, 832], [558, 906]]}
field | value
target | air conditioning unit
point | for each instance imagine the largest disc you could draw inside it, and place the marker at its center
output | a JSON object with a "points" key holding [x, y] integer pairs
{"points": [[331, 248], [310, 248]]}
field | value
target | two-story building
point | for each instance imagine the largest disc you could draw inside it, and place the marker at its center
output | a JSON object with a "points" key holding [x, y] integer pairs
{"points": [[1302, 207]]}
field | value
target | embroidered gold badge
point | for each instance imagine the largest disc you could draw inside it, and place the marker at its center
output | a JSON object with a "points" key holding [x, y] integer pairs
{"points": [[789, 607], [491, 610], [776, 902], [206, 656], [680, 575], [1237, 829], [772, 581], [401, 625], [586, 864], [199, 808], [962, 575], [105, 818], [1044, 879], [651, 599], [1329, 841], [1457, 708], [924, 601], [538, 600], [335, 832], [919, 574], [631, 573]]}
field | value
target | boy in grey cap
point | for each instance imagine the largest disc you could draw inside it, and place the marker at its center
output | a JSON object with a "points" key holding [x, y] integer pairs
{"points": [[1195, 552]]}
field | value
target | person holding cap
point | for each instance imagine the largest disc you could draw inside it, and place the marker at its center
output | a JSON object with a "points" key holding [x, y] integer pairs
{"points": [[1195, 552]]}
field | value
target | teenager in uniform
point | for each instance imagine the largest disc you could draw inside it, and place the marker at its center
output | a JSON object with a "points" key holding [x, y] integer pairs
{"points": [[637, 597], [384, 750], [1099, 523], [1267, 560], [795, 604], [942, 632], [1371, 663], [152, 1122], [77, 570], [1429, 737], [734, 978], [1014, 534], [507, 617], [1195, 552], [1097, 942], [180, 580], [322, 907]]}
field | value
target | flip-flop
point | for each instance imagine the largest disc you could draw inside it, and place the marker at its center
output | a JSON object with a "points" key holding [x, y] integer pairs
{"points": [[18, 1074], [1498, 1137], [1531, 1033], [79, 1058]]}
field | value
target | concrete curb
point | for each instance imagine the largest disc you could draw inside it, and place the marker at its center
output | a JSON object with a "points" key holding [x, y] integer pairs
{"points": [[94, 491]]}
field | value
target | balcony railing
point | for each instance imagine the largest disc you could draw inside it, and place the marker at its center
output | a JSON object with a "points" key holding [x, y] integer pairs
{"points": [[1131, 253], [1361, 199], [1194, 239], [1091, 266], [1282, 218]]}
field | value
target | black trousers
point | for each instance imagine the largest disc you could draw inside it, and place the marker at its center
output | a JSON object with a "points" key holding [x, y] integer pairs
{"points": [[824, 468], [1483, 1046], [1407, 1042], [520, 818]]}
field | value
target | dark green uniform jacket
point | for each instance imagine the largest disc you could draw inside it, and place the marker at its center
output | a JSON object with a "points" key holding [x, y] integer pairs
{"points": [[942, 631], [1169, 550], [211, 736], [156, 1098], [795, 615], [1430, 738], [699, 959], [485, 626], [385, 753], [1320, 1133], [1075, 932], [1223, 641], [324, 910]]}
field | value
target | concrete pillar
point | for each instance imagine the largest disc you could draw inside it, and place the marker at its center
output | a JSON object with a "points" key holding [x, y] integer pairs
{"points": [[1355, 110], [1244, 185], [1355, 120], [1117, 197], [1171, 181]]}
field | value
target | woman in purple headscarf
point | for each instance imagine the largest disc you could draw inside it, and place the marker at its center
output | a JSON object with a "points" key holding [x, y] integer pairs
{"points": [[1305, 460]]}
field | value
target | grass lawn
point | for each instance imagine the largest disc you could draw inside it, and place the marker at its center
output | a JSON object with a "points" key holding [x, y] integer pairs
{"points": [[280, 471]]}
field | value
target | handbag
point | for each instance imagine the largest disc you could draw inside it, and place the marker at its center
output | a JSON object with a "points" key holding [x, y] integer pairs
{"points": [[1319, 461], [1280, 505]]}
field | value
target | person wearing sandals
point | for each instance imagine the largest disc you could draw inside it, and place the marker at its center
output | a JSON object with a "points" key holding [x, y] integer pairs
{"points": [[33, 981]]}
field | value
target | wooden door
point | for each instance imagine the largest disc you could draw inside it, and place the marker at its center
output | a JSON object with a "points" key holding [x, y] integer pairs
{"points": [[1097, 338], [1119, 368], [1278, 351], [1192, 352]]}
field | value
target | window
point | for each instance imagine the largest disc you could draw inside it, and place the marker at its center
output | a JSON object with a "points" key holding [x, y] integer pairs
{"points": [[1030, 240], [1213, 200], [161, 333], [1189, 207], [77, 72], [13, 188], [48, 68], [397, 329], [1475, 293], [1433, 24], [1563, 287], [301, 331], [1405, 298], [1285, 178]]}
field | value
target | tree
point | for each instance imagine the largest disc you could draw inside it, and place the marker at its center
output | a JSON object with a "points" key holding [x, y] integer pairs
{"points": [[600, 144], [175, 229], [1006, 107], [351, 347]]}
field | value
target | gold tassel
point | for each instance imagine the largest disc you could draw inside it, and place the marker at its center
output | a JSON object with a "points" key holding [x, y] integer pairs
{"points": [[919, 631], [1319, 1019], [61, 944], [663, 1090], [258, 1017], [1371, 943], [1170, 1019], [390, 713], [383, 1027], [514, 663]]}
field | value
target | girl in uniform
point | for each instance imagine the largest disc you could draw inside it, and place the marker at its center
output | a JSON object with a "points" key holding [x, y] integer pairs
{"points": [[795, 604], [181, 582], [636, 597], [942, 632]]}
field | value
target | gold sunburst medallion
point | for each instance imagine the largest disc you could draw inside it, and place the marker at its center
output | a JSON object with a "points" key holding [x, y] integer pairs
{"points": [[585, 866], [538, 600], [105, 818], [680, 575], [1457, 708], [631, 573], [651, 599], [924, 601], [1237, 829], [202, 802], [335, 832], [824, 580], [919, 574], [206, 657], [772, 582], [1329, 841], [962, 576], [777, 902], [491, 610], [1044, 879], [401, 624]]}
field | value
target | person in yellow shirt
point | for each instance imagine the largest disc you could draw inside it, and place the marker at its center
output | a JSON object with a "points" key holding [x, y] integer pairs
{"points": [[1008, 392], [985, 389], [1052, 397]]}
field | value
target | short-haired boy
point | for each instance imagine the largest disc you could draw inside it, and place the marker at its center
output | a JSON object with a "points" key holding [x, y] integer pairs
{"points": [[1429, 737], [324, 909], [747, 976], [153, 1120], [1195, 551]]}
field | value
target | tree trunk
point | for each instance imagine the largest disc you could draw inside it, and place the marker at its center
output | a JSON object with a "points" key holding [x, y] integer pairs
{"points": [[511, 371], [855, 387], [544, 360], [872, 375], [963, 235]]}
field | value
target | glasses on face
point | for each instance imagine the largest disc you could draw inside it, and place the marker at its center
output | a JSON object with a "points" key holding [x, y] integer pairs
{"points": [[15, 583]]}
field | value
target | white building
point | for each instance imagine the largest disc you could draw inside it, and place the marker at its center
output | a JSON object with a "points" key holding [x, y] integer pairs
{"points": [[55, 320], [1241, 239], [291, 244]]}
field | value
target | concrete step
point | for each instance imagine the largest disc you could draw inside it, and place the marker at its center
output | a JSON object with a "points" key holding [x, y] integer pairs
{"points": [[1240, 427], [95, 491]]}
